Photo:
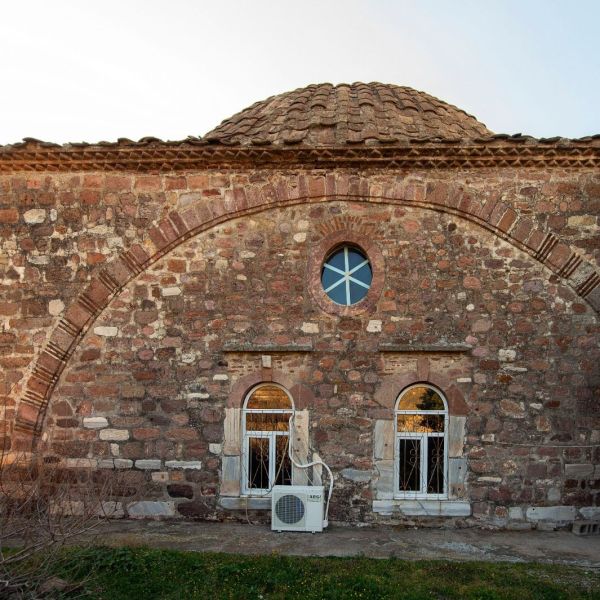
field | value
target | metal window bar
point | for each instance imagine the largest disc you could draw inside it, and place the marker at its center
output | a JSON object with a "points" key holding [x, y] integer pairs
{"points": [[421, 466], [265, 457]]}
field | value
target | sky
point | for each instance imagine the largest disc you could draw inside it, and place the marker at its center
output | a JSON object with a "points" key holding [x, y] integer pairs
{"points": [[92, 70]]}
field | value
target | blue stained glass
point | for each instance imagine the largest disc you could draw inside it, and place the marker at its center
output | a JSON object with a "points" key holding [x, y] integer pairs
{"points": [[337, 260], [328, 278], [338, 294], [357, 292], [354, 258], [346, 276], [364, 274]]}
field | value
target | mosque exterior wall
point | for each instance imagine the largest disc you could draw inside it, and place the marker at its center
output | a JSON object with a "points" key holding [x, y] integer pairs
{"points": [[479, 290]]}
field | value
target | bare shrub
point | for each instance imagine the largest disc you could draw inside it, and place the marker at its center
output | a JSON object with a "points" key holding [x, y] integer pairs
{"points": [[44, 505]]}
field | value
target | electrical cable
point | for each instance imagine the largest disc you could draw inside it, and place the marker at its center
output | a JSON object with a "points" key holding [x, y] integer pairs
{"points": [[311, 464]]}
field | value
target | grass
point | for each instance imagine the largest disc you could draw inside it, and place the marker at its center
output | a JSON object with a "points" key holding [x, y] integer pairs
{"points": [[144, 573]]}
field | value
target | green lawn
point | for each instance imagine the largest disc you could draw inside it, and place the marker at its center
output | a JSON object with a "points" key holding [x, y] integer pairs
{"points": [[143, 573]]}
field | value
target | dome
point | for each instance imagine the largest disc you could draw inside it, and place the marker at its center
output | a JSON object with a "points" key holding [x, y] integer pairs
{"points": [[335, 115]]}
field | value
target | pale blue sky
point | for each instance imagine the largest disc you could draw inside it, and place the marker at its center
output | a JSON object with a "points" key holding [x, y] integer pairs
{"points": [[81, 70]]}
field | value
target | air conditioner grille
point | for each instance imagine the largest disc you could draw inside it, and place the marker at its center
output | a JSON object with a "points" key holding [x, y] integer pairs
{"points": [[289, 509]]}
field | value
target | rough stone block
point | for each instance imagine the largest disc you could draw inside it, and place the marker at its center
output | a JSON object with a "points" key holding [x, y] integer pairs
{"points": [[551, 513], [515, 513], [590, 512], [423, 508], [231, 432], [34, 216], [148, 508], [114, 435], [357, 475], [383, 440], [95, 422], [383, 482], [183, 464], [231, 474], [148, 464], [106, 331], [111, 510], [578, 471], [456, 435]]}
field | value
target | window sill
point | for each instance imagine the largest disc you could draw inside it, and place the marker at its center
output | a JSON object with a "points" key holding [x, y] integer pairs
{"points": [[423, 508], [245, 502]]}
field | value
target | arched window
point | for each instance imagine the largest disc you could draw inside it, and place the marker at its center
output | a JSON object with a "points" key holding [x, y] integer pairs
{"points": [[265, 421], [421, 451]]}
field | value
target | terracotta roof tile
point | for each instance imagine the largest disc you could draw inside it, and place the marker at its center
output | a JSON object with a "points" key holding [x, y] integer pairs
{"points": [[353, 114]]}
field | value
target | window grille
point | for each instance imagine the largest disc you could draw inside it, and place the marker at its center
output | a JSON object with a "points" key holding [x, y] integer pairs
{"points": [[421, 449], [266, 462]]}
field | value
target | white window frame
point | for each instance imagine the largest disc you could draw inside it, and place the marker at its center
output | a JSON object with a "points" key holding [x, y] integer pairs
{"points": [[270, 435], [422, 437]]}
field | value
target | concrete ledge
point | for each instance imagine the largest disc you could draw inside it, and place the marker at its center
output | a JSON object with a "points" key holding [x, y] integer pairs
{"points": [[423, 508], [246, 502]]}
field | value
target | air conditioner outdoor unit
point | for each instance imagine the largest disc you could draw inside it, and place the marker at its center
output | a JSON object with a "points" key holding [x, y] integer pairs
{"points": [[297, 508]]}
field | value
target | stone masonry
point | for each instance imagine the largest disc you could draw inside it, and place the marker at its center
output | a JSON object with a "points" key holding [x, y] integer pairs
{"points": [[145, 287]]}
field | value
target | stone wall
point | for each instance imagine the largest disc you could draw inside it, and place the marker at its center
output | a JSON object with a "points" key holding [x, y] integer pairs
{"points": [[147, 387]]}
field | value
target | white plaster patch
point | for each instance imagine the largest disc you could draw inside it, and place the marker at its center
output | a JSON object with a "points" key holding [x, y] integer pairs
{"points": [[220, 377], [214, 448], [470, 307]]}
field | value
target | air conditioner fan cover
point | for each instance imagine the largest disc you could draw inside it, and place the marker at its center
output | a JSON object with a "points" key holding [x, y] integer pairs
{"points": [[289, 509]]}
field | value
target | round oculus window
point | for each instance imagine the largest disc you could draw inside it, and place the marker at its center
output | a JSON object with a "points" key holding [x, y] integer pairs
{"points": [[347, 275]]}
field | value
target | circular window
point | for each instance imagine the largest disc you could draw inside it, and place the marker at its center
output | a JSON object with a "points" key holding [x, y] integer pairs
{"points": [[347, 275]]}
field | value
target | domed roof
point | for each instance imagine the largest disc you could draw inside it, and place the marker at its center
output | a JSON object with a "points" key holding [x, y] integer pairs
{"points": [[358, 113]]}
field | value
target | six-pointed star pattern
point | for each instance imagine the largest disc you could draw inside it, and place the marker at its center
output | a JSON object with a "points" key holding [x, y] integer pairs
{"points": [[346, 276]]}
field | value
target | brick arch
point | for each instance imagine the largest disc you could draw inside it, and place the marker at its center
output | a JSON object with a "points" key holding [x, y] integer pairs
{"points": [[302, 396], [181, 225]]}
